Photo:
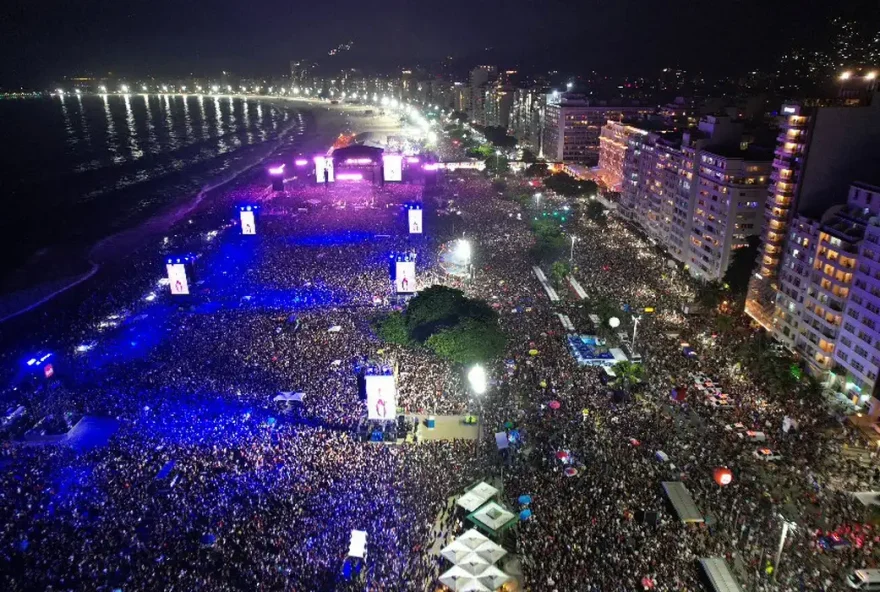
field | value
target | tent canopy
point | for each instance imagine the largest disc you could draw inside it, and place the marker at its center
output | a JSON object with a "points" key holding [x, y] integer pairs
{"points": [[472, 538], [493, 516], [477, 496], [456, 551], [490, 551], [289, 396], [493, 578]]}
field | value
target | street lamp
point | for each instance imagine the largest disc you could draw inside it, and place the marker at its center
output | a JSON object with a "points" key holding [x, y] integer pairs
{"points": [[478, 379], [786, 526], [479, 383], [124, 89], [497, 154], [571, 255], [636, 319], [538, 201]]}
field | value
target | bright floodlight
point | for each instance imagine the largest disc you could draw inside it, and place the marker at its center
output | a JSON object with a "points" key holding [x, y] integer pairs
{"points": [[124, 88], [144, 87], [614, 322], [102, 88], [870, 76], [478, 379], [845, 75], [463, 249], [228, 88], [498, 153], [164, 88], [214, 88]]}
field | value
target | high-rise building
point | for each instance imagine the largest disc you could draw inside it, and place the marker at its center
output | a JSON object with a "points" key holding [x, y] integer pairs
{"points": [[527, 117], [480, 78], [731, 189], [828, 309], [573, 125], [698, 194], [499, 102], [820, 151], [615, 140]]}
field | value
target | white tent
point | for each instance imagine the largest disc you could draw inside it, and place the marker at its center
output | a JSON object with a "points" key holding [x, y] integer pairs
{"points": [[472, 538], [454, 575], [477, 496], [490, 551], [456, 551], [493, 578], [473, 563], [493, 515], [289, 396], [472, 585]]}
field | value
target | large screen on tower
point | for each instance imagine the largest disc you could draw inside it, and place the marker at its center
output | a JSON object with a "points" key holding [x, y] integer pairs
{"points": [[405, 277], [324, 169], [177, 278], [381, 397], [415, 221], [392, 165], [247, 222]]}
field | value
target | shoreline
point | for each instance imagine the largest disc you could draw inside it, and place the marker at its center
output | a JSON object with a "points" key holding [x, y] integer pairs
{"points": [[109, 251], [111, 248]]}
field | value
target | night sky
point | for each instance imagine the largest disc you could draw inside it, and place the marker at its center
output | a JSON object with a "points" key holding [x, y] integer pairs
{"points": [[42, 39]]}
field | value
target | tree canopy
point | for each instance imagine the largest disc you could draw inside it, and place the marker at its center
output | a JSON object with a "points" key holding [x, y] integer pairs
{"points": [[739, 270], [566, 185], [444, 320], [595, 211]]}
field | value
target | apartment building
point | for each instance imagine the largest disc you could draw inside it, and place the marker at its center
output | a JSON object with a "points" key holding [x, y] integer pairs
{"points": [[573, 125], [731, 189], [614, 142], [821, 149], [698, 194], [828, 304], [857, 354]]}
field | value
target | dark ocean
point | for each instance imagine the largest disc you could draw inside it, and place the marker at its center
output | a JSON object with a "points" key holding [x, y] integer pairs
{"points": [[76, 169]]}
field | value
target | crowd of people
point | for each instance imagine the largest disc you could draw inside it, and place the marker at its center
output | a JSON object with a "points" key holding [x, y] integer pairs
{"points": [[211, 485]]}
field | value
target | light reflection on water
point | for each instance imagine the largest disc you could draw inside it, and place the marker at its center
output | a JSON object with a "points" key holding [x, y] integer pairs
{"points": [[113, 131]]}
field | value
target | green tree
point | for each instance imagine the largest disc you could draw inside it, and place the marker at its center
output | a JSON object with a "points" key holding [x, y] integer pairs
{"points": [[595, 211], [739, 270], [537, 169], [497, 165], [550, 243], [628, 375], [433, 309], [472, 340], [392, 328], [529, 156], [559, 271], [566, 185]]}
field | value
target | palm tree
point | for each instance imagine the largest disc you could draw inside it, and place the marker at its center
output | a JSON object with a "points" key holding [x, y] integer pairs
{"points": [[628, 375]]}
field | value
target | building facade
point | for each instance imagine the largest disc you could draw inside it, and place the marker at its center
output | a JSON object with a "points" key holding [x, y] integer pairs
{"points": [[573, 126], [699, 194], [828, 304], [820, 151]]}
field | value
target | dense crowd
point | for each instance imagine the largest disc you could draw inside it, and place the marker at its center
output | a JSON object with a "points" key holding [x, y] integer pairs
{"points": [[256, 497]]}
